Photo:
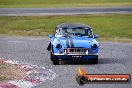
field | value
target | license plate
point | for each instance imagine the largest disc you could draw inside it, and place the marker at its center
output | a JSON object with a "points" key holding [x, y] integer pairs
{"points": [[77, 56]]}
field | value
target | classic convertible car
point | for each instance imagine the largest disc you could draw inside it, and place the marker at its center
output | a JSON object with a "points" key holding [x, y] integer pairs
{"points": [[73, 41]]}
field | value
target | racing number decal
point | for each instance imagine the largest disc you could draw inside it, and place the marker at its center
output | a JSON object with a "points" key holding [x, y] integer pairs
{"points": [[67, 42], [71, 42]]}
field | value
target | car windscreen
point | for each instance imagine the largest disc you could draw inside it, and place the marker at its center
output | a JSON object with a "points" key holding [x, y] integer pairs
{"points": [[74, 31]]}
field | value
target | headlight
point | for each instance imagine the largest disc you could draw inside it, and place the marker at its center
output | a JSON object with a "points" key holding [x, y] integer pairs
{"points": [[94, 46], [58, 46]]}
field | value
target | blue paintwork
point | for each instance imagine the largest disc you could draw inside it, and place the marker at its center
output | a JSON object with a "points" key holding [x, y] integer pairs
{"points": [[78, 42]]}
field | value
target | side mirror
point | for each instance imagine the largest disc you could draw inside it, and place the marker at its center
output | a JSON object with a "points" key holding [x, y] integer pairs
{"points": [[95, 36], [51, 36]]}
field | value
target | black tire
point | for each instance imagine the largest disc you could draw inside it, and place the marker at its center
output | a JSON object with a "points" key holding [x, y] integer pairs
{"points": [[95, 60], [55, 61], [51, 53], [49, 47], [51, 56]]}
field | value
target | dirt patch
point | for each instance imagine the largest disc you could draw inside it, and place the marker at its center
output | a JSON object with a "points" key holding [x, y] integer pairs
{"points": [[11, 72]]}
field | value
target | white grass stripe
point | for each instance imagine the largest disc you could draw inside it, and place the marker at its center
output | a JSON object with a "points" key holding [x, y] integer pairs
{"points": [[11, 62], [22, 83]]}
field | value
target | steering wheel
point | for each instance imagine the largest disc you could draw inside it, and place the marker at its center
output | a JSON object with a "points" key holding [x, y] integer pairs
{"points": [[78, 34]]}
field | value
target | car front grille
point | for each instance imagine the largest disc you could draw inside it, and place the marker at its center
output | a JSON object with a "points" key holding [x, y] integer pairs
{"points": [[76, 51]]}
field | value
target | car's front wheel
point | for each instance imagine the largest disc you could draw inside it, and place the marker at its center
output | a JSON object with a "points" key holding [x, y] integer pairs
{"points": [[51, 56], [55, 61], [51, 53]]}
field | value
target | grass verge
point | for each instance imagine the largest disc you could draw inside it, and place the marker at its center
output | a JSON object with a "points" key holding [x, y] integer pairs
{"points": [[107, 26], [61, 3]]}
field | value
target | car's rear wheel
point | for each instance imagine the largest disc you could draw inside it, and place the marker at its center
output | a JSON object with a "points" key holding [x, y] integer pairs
{"points": [[55, 60], [95, 60]]}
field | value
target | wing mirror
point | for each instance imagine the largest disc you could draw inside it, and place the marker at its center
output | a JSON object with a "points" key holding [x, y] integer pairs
{"points": [[95, 36], [51, 36]]}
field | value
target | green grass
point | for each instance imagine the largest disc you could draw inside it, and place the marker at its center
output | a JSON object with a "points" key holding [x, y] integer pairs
{"points": [[62, 3], [107, 26]]}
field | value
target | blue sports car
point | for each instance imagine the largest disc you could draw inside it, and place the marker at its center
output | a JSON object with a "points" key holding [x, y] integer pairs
{"points": [[73, 41]]}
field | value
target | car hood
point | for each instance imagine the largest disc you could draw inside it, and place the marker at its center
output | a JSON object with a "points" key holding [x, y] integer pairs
{"points": [[84, 42]]}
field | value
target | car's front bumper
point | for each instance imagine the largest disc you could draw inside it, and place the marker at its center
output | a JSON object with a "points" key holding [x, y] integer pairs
{"points": [[76, 57]]}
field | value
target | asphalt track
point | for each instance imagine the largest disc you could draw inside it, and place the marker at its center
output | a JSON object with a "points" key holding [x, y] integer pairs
{"points": [[64, 11], [114, 58]]}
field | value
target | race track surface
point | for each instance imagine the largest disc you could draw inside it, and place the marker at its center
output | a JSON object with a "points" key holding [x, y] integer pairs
{"points": [[64, 11], [114, 58]]}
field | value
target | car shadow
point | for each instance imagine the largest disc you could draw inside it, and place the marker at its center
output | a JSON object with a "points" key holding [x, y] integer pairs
{"points": [[107, 61], [101, 61], [74, 62]]}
